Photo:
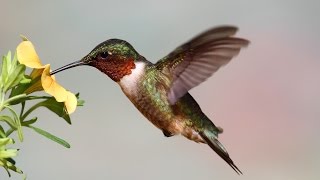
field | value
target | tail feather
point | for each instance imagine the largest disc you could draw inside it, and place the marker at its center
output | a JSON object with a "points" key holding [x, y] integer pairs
{"points": [[220, 150]]}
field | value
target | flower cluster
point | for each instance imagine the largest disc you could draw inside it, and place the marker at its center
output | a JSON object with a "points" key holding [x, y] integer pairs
{"points": [[18, 88], [27, 55]]}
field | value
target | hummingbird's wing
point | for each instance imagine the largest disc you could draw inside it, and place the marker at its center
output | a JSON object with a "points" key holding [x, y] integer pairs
{"points": [[193, 62]]}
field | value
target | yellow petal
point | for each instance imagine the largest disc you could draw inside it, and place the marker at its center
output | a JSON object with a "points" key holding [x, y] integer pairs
{"points": [[51, 87], [27, 55], [71, 102]]}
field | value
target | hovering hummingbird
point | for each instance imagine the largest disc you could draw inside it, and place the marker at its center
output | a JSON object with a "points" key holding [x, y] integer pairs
{"points": [[160, 91]]}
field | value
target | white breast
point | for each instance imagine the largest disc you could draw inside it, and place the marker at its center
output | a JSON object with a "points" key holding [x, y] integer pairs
{"points": [[129, 82]]}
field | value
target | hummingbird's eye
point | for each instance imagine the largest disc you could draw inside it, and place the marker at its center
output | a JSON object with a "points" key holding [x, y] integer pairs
{"points": [[104, 55]]}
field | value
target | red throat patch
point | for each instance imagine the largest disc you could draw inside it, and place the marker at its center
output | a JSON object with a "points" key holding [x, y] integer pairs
{"points": [[115, 67]]}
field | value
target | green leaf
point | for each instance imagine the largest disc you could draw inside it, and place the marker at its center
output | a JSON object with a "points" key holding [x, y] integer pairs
{"points": [[19, 89], [4, 142], [50, 136], [15, 60], [14, 168], [11, 160], [19, 130], [9, 57], [23, 85], [4, 71], [29, 122], [57, 108], [9, 131], [9, 64], [8, 165], [52, 105], [15, 77], [17, 123], [7, 153], [8, 120], [25, 80], [2, 132], [80, 102]]}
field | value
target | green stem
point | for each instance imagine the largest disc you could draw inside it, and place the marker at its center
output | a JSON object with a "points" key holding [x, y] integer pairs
{"points": [[10, 131], [14, 98], [30, 110], [22, 108], [37, 97]]}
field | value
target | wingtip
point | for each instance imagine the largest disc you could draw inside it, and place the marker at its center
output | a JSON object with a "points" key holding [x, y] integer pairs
{"points": [[232, 31], [245, 42], [227, 28]]}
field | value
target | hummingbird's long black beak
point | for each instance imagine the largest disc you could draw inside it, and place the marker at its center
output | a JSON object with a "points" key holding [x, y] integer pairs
{"points": [[68, 66]]}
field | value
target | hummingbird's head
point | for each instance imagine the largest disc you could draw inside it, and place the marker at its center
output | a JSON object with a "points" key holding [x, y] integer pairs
{"points": [[114, 57]]}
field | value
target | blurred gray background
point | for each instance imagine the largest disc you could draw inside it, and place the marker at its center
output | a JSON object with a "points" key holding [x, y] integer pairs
{"points": [[267, 99]]}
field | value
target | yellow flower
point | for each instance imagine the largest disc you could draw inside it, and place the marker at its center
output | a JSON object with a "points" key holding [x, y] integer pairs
{"points": [[27, 55]]}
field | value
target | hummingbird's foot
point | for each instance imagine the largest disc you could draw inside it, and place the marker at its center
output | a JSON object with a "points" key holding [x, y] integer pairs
{"points": [[167, 133]]}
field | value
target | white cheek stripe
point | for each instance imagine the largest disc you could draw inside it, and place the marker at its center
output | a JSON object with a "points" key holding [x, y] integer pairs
{"points": [[129, 82]]}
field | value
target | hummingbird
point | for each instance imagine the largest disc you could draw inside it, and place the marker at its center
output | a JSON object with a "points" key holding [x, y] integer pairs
{"points": [[160, 90]]}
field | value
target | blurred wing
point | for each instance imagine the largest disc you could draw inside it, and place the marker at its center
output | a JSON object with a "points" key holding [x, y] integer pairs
{"points": [[195, 61]]}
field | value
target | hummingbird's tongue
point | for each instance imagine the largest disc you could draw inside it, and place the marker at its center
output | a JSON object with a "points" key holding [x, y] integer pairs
{"points": [[68, 66]]}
